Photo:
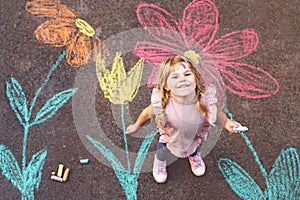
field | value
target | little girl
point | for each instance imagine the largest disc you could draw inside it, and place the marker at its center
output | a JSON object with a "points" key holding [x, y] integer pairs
{"points": [[184, 110]]}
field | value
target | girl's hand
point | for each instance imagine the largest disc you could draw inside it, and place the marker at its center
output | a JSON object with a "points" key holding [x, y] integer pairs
{"points": [[131, 129], [228, 125]]}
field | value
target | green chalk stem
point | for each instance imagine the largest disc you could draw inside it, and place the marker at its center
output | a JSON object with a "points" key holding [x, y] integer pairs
{"points": [[257, 160], [28, 179], [46, 80], [250, 146], [125, 138], [128, 179], [283, 182]]}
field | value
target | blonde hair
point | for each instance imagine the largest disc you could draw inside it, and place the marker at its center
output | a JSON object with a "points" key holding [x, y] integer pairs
{"points": [[165, 69]]}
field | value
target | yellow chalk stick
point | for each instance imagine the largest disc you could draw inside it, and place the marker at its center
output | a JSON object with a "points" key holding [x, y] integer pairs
{"points": [[66, 174], [53, 173], [60, 170]]}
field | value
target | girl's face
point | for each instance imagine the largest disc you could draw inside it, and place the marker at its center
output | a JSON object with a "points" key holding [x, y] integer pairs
{"points": [[181, 82]]}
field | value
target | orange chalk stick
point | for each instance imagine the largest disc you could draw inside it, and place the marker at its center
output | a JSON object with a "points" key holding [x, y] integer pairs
{"points": [[66, 174]]}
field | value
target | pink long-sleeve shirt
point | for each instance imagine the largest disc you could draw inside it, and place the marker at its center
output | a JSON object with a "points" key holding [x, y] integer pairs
{"points": [[187, 127]]}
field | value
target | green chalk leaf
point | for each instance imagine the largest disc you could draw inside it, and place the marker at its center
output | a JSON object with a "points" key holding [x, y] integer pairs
{"points": [[143, 152], [116, 164], [284, 179], [17, 100], [33, 174], [239, 180], [53, 105], [10, 168]]}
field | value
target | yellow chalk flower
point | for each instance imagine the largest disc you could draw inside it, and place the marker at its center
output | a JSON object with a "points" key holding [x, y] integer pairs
{"points": [[118, 87]]}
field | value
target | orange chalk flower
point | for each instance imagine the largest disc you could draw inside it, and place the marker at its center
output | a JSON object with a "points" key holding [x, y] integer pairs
{"points": [[64, 29], [118, 87]]}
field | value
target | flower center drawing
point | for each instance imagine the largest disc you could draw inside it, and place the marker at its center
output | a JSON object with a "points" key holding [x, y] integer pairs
{"points": [[84, 27], [193, 56]]}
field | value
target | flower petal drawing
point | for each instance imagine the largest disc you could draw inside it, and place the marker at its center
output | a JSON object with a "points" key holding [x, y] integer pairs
{"points": [[127, 88], [159, 22], [154, 53], [108, 79], [49, 8], [200, 22], [247, 81], [118, 87], [79, 50], [64, 28], [55, 32], [195, 33], [234, 45]]}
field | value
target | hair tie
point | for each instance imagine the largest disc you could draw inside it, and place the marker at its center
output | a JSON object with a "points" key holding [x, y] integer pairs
{"points": [[201, 94]]}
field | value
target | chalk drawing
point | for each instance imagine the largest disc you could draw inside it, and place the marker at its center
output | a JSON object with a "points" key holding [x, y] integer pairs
{"points": [[116, 86], [29, 176], [283, 182], [193, 36], [64, 28], [127, 87]]}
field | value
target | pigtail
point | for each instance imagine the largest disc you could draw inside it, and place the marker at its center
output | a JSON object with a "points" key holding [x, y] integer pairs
{"points": [[200, 105], [160, 119], [200, 90]]}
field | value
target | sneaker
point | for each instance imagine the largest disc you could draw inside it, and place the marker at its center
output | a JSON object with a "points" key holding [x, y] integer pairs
{"points": [[159, 170], [197, 164]]}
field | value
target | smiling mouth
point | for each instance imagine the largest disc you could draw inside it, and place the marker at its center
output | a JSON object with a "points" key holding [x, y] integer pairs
{"points": [[183, 85]]}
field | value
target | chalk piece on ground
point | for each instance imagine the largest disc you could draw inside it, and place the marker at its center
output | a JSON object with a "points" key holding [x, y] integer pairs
{"points": [[84, 161], [66, 174], [56, 178], [60, 170]]}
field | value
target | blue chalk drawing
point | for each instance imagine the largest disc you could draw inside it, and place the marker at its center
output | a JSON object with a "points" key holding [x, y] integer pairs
{"points": [[283, 182], [127, 178], [29, 176]]}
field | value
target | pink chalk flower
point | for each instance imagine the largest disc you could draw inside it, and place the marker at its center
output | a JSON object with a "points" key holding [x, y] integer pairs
{"points": [[193, 37]]}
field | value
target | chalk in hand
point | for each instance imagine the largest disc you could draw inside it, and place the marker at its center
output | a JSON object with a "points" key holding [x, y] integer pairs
{"points": [[240, 128]]}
